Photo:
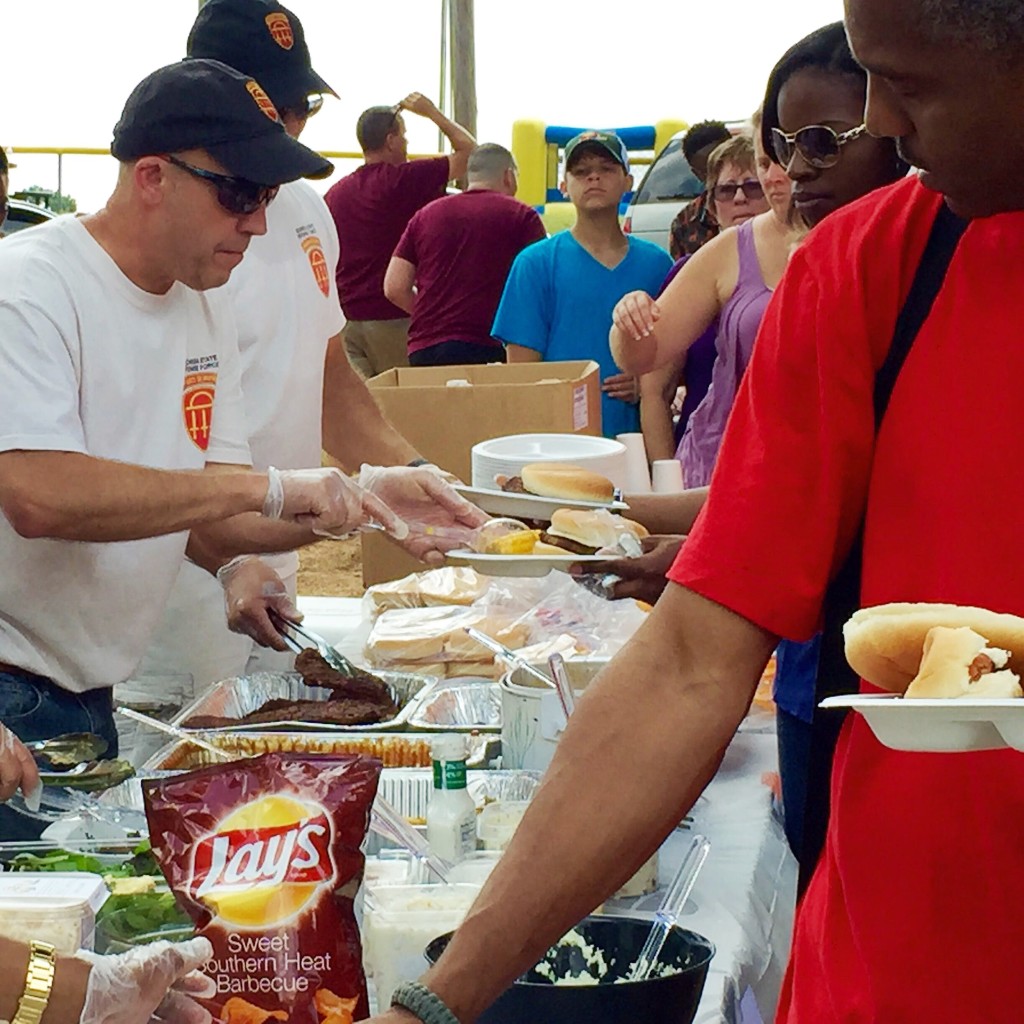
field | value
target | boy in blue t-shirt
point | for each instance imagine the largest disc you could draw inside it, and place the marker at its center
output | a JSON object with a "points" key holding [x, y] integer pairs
{"points": [[560, 293]]}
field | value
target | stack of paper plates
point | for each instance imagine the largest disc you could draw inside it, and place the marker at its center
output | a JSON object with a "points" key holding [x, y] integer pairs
{"points": [[508, 455]]}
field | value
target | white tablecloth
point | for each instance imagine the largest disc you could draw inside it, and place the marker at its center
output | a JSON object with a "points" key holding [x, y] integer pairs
{"points": [[744, 898]]}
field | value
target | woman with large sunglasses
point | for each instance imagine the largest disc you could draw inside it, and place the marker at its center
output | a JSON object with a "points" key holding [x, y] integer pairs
{"points": [[812, 124]]}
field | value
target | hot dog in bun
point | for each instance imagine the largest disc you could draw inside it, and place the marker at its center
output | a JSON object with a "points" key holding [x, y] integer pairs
{"points": [[937, 650], [558, 480]]}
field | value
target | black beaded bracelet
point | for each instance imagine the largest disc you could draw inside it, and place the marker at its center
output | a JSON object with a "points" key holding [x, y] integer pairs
{"points": [[415, 997]]}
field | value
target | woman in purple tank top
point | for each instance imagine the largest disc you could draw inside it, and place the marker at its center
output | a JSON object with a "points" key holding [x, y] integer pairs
{"points": [[730, 280]]}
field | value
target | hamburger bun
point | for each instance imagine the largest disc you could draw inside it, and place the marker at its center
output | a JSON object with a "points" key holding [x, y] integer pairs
{"points": [[885, 644], [588, 531], [559, 480]]}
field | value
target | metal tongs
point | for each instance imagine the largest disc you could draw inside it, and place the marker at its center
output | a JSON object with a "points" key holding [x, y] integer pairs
{"points": [[289, 630], [498, 648]]}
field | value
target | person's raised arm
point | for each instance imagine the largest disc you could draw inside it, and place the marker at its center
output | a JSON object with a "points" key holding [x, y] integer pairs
{"points": [[647, 333], [399, 283], [462, 142], [608, 800]]}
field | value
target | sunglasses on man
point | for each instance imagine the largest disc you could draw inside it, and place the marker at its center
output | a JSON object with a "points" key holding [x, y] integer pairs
{"points": [[306, 109], [751, 189], [238, 196], [818, 145]]}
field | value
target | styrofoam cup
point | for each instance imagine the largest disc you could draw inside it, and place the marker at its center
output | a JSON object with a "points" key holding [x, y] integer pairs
{"points": [[667, 476], [638, 479]]}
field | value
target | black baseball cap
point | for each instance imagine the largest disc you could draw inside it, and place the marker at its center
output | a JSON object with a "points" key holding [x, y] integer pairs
{"points": [[204, 104], [263, 39]]}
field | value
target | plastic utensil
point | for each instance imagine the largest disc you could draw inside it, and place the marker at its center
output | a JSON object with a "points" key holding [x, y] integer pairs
{"points": [[509, 655], [388, 822], [671, 907], [173, 730], [562, 685]]}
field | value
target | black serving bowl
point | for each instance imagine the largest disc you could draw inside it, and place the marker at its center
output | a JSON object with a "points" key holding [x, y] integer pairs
{"points": [[669, 1000]]}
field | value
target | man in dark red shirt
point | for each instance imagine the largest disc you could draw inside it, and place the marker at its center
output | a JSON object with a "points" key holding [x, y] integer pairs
{"points": [[450, 266], [913, 913], [371, 207]]}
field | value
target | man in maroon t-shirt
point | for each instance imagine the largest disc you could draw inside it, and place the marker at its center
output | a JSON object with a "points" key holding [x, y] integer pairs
{"points": [[371, 207], [457, 252]]}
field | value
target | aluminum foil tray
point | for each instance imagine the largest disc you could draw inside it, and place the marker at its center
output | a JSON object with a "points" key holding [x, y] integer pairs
{"points": [[459, 706], [409, 789], [233, 698], [395, 750]]}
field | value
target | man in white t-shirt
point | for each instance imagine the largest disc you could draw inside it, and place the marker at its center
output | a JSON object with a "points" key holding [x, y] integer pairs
{"points": [[121, 418], [289, 321]]}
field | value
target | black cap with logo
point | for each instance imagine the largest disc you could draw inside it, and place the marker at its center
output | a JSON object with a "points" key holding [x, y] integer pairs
{"points": [[204, 104], [262, 38]]}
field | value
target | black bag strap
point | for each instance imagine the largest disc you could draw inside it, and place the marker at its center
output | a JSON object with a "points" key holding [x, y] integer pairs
{"points": [[843, 596]]}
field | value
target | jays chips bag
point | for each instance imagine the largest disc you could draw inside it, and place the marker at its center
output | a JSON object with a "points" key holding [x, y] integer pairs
{"points": [[263, 854]]}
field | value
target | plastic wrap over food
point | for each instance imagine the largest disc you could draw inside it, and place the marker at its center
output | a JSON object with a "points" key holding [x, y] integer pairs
{"points": [[450, 585], [432, 635]]}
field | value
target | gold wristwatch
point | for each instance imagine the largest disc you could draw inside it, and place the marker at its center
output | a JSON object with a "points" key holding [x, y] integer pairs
{"points": [[42, 964]]}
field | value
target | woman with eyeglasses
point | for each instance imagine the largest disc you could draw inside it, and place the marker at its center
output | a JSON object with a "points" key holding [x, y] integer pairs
{"points": [[729, 280], [734, 195]]}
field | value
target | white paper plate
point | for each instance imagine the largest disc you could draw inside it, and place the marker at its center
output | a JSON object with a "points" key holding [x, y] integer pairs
{"points": [[939, 726], [529, 506], [509, 454], [519, 565]]}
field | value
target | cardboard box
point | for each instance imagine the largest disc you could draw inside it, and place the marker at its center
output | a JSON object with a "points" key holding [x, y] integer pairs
{"points": [[444, 422]]}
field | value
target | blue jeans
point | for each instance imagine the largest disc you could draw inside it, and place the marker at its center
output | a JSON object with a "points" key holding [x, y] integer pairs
{"points": [[794, 741], [35, 708]]}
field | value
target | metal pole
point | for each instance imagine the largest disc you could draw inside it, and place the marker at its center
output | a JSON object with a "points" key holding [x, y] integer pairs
{"points": [[463, 61], [442, 93], [60, 173]]}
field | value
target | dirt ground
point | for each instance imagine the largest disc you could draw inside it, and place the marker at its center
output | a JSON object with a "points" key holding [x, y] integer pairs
{"points": [[332, 568]]}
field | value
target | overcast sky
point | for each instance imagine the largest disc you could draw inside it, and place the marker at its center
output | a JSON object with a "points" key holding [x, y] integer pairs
{"points": [[67, 67]]}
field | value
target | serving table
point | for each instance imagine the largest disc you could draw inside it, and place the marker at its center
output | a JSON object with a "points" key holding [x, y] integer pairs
{"points": [[744, 898]]}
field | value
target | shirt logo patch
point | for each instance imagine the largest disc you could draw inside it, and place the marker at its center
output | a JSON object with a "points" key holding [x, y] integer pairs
{"points": [[197, 399], [318, 262], [263, 101], [281, 29]]}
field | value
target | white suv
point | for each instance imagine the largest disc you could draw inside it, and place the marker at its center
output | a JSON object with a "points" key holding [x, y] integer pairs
{"points": [[667, 187]]}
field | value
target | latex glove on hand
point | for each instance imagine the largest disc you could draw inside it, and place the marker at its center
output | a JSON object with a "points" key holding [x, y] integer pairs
{"points": [[18, 770], [149, 983], [330, 503], [251, 587], [642, 577], [438, 517]]}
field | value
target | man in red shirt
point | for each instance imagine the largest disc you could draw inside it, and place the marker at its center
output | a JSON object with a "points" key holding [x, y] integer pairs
{"points": [[914, 911], [449, 269], [371, 207]]}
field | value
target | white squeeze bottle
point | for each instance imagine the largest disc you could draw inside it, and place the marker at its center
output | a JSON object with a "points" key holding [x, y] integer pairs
{"points": [[451, 813]]}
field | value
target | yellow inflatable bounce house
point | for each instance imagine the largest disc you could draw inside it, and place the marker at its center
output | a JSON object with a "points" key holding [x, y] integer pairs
{"points": [[538, 148]]}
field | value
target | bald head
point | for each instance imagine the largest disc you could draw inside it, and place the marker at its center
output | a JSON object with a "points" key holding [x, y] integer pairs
{"points": [[492, 166]]}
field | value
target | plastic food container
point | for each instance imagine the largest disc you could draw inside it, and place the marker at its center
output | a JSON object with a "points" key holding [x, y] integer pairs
{"points": [[399, 924], [51, 906], [499, 821]]}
